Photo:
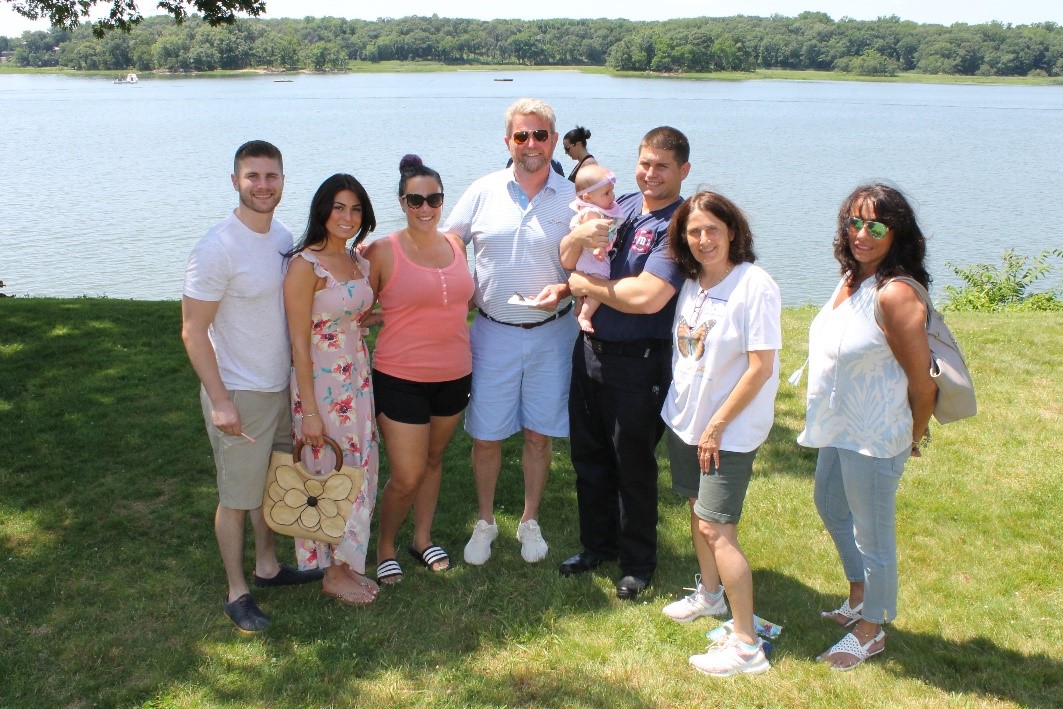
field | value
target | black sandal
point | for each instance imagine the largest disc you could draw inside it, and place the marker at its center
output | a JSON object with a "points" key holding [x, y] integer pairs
{"points": [[430, 556], [388, 571]]}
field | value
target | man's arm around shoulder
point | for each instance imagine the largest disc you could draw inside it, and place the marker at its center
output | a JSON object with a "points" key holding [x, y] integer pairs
{"points": [[643, 294]]}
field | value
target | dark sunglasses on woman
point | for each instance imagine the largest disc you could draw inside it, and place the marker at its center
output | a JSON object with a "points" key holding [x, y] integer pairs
{"points": [[414, 201]]}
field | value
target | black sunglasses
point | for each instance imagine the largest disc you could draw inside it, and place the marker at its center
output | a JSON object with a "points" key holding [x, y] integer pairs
{"points": [[521, 136], [415, 201]]}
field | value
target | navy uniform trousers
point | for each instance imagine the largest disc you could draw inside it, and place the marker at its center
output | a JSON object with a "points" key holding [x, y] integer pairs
{"points": [[614, 409]]}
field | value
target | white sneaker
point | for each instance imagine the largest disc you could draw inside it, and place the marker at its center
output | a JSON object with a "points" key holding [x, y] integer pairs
{"points": [[478, 550], [532, 545], [697, 604], [730, 657]]}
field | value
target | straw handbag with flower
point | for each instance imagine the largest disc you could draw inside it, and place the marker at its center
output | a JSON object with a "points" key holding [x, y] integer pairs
{"points": [[297, 503]]}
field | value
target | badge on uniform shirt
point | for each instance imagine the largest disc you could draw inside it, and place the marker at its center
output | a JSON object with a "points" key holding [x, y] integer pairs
{"points": [[642, 241]]}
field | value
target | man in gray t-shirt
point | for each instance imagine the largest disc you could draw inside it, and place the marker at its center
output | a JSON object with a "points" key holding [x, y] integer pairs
{"points": [[235, 333]]}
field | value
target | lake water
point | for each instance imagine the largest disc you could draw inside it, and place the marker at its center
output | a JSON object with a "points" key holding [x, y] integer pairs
{"points": [[105, 187]]}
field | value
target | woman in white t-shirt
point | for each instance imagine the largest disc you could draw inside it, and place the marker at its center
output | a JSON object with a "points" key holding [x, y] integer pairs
{"points": [[719, 410]]}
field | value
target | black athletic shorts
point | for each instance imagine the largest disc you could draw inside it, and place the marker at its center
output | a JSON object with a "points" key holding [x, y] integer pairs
{"points": [[417, 402]]}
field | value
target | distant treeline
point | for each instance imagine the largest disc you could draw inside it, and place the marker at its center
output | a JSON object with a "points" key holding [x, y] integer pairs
{"points": [[812, 40]]}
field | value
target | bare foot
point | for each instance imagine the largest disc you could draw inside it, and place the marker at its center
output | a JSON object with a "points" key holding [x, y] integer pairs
{"points": [[339, 585], [361, 580]]}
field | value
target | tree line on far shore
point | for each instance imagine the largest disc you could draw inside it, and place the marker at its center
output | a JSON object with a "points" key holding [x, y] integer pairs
{"points": [[810, 41]]}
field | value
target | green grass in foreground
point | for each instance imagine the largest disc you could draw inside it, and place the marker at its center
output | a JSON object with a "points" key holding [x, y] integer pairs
{"points": [[110, 583]]}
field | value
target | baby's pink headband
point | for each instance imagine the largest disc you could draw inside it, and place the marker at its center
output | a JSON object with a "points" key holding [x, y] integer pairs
{"points": [[610, 179]]}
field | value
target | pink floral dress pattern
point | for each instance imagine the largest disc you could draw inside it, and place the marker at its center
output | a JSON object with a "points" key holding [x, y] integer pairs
{"points": [[344, 392]]}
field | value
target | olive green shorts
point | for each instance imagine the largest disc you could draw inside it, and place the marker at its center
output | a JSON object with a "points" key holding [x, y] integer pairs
{"points": [[720, 494]]}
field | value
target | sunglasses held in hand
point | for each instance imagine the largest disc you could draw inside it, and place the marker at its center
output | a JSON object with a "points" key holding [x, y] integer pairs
{"points": [[414, 200], [877, 229], [521, 136]]}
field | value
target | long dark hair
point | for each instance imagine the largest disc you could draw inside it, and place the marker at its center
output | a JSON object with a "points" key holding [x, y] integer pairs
{"points": [[321, 207], [741, 248], [907, 254], [412, 166]]}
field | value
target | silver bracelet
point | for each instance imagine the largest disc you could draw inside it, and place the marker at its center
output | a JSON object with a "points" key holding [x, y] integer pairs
{"points": [[306, 416]]}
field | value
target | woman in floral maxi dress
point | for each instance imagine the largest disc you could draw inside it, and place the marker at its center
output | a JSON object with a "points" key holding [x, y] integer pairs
{"points": [[325, 293]]}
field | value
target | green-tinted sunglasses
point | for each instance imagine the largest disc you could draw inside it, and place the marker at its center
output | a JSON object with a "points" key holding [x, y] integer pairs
{"points": [[877, 230]]}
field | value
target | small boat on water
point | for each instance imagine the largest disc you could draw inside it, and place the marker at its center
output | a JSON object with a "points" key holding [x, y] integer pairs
{"points": [[127, 79], [503, 79]]}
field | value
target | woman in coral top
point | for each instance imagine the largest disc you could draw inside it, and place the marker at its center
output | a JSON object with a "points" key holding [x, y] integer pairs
{"points": [[422, 364]]}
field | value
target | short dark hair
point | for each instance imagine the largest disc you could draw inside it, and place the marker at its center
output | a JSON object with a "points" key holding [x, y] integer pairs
{"points": [[579, 134], [668, 138], [257, 149], [321, 209], [907, 254], [412, 166], [741, 249]]}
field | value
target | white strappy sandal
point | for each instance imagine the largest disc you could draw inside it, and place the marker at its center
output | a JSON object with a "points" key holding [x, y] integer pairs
{"points": [[850, 613], [850, 645]]}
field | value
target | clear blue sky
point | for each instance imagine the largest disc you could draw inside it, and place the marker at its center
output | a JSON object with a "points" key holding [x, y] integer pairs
{"points": [[936, 11]]}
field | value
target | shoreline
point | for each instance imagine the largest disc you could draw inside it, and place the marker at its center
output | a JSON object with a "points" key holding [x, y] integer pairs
{"points": [[402, 67]]}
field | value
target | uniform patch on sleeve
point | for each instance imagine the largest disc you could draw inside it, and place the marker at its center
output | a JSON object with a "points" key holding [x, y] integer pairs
{"points": [[642, 241]]}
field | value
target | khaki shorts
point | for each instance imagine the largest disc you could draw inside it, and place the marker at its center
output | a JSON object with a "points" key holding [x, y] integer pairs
{"points": [[242, 465]]}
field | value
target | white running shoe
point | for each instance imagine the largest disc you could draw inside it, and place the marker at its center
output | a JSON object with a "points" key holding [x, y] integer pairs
{"points": [[697, 604], [730, 657], [478, 550], [532, 545]]}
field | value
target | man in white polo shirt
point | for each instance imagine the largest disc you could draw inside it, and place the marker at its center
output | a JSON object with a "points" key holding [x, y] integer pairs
{"points": [[521, 352], [235, 332]]}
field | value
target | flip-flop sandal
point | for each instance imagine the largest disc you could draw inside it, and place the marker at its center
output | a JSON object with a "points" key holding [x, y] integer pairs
{"points": [[850, 645], [363, 581], [850, 613], [351, 598], [431, 556], [388, 571]]}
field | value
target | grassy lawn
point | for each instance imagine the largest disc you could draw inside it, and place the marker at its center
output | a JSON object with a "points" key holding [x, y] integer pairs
{"points": [[110, 582]]}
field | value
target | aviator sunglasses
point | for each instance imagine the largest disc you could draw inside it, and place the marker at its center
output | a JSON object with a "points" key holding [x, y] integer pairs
{"points": [[414, 201], [521, 136], [877, 229]]}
